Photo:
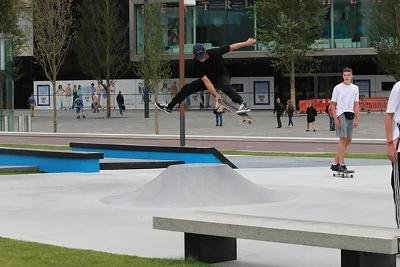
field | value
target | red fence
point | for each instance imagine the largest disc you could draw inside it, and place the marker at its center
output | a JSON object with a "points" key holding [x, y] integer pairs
{"points": [[368, 104]]}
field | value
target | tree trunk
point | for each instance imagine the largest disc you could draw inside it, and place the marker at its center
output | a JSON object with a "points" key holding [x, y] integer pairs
{"points": [[53, 82], [156, 116], [108, 90], [292, 83]]}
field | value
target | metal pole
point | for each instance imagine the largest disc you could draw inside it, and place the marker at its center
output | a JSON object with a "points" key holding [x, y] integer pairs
{"points": [[182, 68], [332, 26], [145, 83]]}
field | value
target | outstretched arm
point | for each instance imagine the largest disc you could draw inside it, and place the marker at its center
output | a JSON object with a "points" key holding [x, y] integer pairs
{"points": [[210, 87], [249, 42]]}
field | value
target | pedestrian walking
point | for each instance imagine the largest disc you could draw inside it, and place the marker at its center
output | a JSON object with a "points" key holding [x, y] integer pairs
{"points": [[290, 112], [392, 124], [32, 104], [78, 104], [311, 114], [121, 103], [219, 113], [346, 113], [279, 109]]}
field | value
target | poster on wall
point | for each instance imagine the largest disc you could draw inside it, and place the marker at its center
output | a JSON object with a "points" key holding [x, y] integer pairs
{"points": [[261, 93], [364, 87], [43, 95]]}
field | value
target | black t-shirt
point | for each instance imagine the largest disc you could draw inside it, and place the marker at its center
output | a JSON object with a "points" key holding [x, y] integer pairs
{"points": [[214, 66]]}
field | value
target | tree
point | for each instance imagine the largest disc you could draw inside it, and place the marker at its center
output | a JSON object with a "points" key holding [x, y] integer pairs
{"points": [[52, 31], [154, 67], [101, 45], [289, 28], [8, 15], [385, 32]]}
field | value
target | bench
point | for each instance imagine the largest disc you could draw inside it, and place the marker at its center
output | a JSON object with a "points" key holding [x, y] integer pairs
{"points": [[211, 237]]}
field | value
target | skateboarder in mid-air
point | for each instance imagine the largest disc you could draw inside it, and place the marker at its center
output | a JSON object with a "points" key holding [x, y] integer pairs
{"points": [[211, 73]]}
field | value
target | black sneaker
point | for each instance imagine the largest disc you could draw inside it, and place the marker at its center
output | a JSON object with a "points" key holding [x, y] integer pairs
{"points": [[243, 109], [335, 168], [343, 168], [163, 108]]}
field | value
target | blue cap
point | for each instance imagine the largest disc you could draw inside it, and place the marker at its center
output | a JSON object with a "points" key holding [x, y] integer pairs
{"points": [[199, 51]]}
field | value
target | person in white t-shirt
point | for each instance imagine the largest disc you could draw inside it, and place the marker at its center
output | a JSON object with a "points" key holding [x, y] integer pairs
{"points": [[392, 141], [345, 111]]}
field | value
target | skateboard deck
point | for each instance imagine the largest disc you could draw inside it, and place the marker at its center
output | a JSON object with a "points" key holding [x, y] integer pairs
{"points": [[244, 117], [345, 174]]}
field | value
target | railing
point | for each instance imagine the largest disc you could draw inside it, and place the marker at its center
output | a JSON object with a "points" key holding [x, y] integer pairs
{"points": [[376, 104]]}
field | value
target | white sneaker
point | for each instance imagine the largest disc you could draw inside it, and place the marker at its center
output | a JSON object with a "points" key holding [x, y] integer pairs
{"points": [[243, 109]]}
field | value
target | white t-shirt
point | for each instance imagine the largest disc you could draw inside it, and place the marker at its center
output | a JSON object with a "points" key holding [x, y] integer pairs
{"points": [[393, 106], [345, 96]]}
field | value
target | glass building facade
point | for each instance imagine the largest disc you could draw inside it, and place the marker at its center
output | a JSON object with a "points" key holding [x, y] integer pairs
{"points": [[220, 22]]}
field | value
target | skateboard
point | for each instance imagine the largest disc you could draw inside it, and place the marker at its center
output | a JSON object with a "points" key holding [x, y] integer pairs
{"points": [[345, 174], [244, 117]]}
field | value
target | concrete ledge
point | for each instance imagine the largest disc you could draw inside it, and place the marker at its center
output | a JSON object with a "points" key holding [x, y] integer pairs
{"points": [[320, 234], [18, 168], [366, 141], [185, 154], [137, 164], [52, 161]]}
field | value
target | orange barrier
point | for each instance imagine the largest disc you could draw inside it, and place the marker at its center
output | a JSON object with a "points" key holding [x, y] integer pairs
{"points": [[376, 104]]}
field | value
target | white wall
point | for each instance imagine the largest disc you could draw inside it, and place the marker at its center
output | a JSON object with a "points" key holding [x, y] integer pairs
{"points": [[132, 91]]}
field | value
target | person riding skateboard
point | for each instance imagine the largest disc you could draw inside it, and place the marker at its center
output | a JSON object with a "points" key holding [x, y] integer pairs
{"points": [[346, 113], [210, 71]]}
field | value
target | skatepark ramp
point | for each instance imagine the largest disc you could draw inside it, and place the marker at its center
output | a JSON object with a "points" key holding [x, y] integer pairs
{"points": [[185, 154], [195, 185]]}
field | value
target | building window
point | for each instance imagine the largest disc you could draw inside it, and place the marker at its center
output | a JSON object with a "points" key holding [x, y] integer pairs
{"points": [[387, 86]]}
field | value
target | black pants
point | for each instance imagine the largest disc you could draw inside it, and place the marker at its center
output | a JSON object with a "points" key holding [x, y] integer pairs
{"points": [[396, 189], [222, 83], [278, 119]]}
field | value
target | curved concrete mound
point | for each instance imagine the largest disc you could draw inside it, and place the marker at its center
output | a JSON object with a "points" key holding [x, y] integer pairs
{"points": [[195, 185]]}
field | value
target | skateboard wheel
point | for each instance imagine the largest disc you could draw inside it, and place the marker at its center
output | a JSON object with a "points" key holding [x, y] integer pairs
{"points": [[351, 176], [334, 174]]}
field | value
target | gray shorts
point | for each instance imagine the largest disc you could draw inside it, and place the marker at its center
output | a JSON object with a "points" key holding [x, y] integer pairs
{"points": [[346, 127]]}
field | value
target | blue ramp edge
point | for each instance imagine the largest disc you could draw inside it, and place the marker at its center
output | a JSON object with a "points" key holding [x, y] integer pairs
{"points": [[186, 154], [51, 161]]}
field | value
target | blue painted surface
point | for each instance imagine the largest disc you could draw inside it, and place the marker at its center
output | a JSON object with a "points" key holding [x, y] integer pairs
{"points": [[49, 164], [131, 154]]}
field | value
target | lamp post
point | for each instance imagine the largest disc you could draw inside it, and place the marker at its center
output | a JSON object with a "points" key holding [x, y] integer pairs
{"points": [[181, 16]]}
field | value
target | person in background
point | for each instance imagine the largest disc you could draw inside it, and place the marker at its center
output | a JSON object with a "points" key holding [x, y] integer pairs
{"points": [[120, 102], [311, 114], [279, 109], [219, 112], [78, 104], [32, 104], [290, 111], [328, 111]]}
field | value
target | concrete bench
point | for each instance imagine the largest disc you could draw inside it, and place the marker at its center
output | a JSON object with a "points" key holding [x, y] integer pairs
{"points": [[211, 237]]}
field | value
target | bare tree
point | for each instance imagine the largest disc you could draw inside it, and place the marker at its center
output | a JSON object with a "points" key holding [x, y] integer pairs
{"points": [[102, 44], [52, 31], [154, 67]]}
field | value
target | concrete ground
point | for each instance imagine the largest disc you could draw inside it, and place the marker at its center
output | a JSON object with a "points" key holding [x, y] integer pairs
{"points": [[68, 210], [198, 123]]}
